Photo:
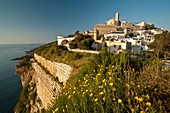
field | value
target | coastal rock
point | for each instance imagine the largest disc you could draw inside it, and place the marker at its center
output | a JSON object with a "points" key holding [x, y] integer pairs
{"points": [[39, 87]]}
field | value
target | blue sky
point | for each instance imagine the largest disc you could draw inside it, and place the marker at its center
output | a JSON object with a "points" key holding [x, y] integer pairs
{"points": [[39, 21]]}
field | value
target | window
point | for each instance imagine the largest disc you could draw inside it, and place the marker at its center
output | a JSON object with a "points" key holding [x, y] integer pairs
{"points": [[120, 47]]}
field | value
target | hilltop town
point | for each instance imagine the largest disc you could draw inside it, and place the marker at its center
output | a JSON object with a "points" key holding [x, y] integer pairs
{"points": [[105, 70], [118, 35]]}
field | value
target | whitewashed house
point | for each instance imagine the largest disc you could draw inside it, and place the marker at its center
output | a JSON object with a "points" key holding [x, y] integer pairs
{"points": [[60, 39]]}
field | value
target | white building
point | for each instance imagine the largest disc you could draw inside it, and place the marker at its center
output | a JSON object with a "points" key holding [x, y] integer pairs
{"points": [[60, 39], [141, 24], [156, 31], [134, 42], [115, 36], [117, 47]]}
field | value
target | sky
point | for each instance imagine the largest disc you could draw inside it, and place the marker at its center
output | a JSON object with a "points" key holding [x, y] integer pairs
{"points": [[40, 21]]}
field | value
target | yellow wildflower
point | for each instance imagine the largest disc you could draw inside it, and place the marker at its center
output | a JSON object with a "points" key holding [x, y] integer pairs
{"points": [[138, 86], [66, 106], [91, 94], [136, 98], [69, 97], [114, 89], [146, 109], [101, 93], [63, 110], [132, 83], [147, 96], [53, 111], [52, 100], [74, 92], [111, 84], [142, 112], [87, 90], [104, 80], [140, 99], [101, 86], [109, 73], [55, 98], [98, 74], [83, 93], [56, 109], [114, 99], [127, 85], [86, 81], [74, 88], [148, 104], [110, 78], [132, 110], [104, 98], [119, 101], [96, 99], [64, 86]]}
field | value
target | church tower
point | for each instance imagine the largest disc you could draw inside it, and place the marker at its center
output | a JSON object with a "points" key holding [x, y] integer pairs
{"points": [[95, 34], [117, 16], [117, 22]]}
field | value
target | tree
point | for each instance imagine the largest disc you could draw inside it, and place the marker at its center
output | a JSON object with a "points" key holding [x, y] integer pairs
{"points": [[82, 42], [76, 33], [161, 43]]}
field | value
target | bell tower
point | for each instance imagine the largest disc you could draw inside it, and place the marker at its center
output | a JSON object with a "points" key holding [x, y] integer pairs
{"points": [[117, 17], [95, 34]]}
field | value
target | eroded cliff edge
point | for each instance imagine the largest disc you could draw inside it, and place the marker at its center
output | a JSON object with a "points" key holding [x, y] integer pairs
{"points": [[42, 80]]}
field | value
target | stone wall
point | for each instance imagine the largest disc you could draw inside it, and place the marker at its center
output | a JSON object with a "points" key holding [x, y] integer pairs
{"points": [[84, 51], [60, 70], [47, 88]]}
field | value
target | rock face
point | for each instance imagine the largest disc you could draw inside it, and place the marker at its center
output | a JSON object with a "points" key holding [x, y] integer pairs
{"points": [[24, 73], [42, 87]]}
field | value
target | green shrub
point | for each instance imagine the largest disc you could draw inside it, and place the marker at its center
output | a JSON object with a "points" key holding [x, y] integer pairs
{"points": [[73, 45], [109, 84], [82, 42], [24, 63], [86, 44]]}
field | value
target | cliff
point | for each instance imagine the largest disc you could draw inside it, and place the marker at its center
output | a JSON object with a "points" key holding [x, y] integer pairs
{"points": [[42, 82]]}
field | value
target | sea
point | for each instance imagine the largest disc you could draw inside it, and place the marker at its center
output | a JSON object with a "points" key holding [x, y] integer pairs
{"points": [[10, 83]]}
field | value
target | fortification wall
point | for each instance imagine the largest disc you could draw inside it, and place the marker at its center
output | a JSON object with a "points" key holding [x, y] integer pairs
{"points": [[47, 88], [60, 70]]}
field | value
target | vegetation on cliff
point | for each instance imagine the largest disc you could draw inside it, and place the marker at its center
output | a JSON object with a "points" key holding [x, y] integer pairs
{"points": [[114, 83], [28, 95], [56, 53], [23, 105]]}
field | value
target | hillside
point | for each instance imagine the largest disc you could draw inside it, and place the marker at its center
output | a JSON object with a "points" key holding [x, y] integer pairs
{"points": [[108, 82]]}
